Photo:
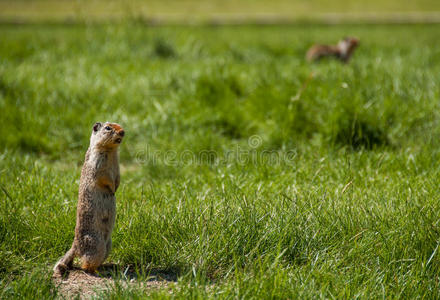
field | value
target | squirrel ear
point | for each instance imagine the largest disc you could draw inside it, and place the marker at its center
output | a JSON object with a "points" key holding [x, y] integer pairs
{"points": [[96, 126]]}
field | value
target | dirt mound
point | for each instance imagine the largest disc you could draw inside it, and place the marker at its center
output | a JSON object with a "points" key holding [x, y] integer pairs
{"points": [[79, 283]]}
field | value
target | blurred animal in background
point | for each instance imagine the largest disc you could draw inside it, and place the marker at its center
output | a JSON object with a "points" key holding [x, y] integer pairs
{"points": [[342, 51]]}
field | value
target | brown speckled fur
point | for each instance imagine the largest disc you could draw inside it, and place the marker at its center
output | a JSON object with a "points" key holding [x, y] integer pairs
{"points": [[96, 208], [342, 51]]}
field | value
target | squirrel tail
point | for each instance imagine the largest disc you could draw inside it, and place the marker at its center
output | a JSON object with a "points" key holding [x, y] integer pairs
{"points": [[65, 263]]}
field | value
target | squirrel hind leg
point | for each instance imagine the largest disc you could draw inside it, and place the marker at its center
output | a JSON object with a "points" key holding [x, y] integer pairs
{"points": [[91, 262], [65, 263]]}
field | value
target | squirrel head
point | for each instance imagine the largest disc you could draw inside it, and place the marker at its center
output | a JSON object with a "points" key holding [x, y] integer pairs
{"points": [[346, 47], [106, 136], [353, 42]]}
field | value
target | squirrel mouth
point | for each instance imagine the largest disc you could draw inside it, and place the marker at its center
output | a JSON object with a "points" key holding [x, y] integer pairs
{"points": [[118, 140]]}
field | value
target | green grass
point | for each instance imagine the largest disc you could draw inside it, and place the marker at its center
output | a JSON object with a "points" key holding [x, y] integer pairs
{"points": [[246, 171]]}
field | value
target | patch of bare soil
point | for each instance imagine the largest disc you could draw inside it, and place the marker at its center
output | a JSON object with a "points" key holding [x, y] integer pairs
{"points": [[77, 283]]}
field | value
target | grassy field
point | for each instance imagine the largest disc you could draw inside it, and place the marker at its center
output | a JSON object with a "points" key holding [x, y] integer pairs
{"points": [[246, 172]]}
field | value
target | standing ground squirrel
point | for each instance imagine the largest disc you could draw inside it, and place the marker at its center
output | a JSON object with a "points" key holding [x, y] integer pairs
{"points": [[96, 209], [343, 50]]}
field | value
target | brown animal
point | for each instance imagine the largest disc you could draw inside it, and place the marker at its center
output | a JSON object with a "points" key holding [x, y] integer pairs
{"points": [[96, 209], [342, 51]]}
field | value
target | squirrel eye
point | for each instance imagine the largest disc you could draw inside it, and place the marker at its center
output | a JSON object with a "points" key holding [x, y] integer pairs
{"points": [[108, 128]]}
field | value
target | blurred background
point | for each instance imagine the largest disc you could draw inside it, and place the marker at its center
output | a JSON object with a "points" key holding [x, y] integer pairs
{"points": [[223, 11]]}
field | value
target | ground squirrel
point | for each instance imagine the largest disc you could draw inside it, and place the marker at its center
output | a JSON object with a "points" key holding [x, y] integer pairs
{"points": [[342, 51], [96, 209]]}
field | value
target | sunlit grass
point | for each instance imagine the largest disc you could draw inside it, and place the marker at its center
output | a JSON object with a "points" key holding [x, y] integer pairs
{"points": [[245, 171]]}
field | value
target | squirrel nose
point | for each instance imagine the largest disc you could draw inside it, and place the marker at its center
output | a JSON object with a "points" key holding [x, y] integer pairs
{"points": [[121, 133]]}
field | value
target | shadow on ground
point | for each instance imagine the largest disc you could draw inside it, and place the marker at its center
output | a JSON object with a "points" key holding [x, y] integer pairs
{"points": [[115, 271]]}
